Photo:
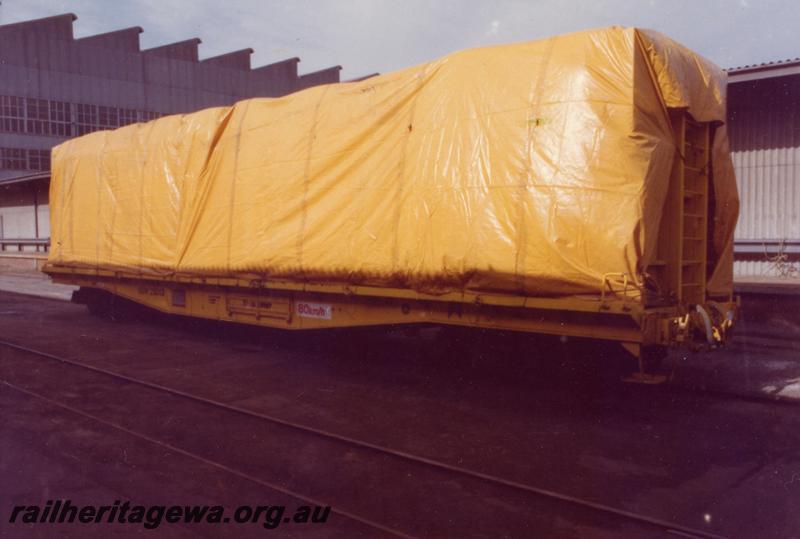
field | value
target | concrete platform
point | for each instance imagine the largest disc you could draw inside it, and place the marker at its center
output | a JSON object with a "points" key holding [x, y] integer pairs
{"points": [[27, 261], [31, 282], [767, 285]]}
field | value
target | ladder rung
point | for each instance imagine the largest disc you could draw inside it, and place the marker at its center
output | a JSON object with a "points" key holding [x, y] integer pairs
{"points": [[692, 193], [695, 169], [691, 284], [695, 146], [692, 122], [694, 238], [695, 215], [658, 263], [692, 262]]}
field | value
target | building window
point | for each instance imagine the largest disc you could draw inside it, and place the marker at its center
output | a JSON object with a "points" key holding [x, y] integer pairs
{"points": [[87, 119], [12, 114], [108, 117], [147, 115], [60, 119], [38, 117], [21, 159], [39, 159], [12, 159], [128, 116]]}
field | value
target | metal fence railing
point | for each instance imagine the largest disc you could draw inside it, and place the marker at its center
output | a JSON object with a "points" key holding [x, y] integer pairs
{"points": [[766, 247], [24, 245]]}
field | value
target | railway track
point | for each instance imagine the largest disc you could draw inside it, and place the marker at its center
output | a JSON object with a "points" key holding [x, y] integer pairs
{"points": [[598, 509]]}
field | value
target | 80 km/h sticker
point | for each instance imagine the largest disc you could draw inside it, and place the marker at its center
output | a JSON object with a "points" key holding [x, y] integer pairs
{"points": [[314, 310]]}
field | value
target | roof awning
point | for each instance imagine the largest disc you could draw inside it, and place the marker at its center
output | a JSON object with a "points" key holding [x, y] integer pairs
{"points": [[25, 178]]}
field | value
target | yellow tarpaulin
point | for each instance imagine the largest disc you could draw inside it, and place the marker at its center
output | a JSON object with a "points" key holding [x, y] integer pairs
{"points": [[532, 168]]}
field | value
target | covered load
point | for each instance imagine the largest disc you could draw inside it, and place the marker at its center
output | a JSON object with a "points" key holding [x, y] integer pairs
{"points": [[529, 169]]}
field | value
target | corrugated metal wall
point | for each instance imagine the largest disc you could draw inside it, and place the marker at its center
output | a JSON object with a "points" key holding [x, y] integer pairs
{"points": [[764, 127], [107, 74], [18, 202], [41, 59]]}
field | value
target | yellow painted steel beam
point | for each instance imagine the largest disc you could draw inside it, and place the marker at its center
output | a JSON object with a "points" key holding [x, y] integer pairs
{"points": [[298, 310], [612, 302]]}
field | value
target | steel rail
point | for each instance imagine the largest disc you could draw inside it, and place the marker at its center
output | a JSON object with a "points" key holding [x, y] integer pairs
{"points": [[212, 463]]}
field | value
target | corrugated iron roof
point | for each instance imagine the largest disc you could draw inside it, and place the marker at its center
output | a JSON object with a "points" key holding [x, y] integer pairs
{"points": [[764, 70], [764, 65]]}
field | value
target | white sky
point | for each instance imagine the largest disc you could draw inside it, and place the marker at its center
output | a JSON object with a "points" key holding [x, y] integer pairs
{"points": [[365, 36]]}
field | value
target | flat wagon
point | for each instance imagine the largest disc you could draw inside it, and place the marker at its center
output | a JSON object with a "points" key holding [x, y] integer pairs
{"points": [[664, 298]]}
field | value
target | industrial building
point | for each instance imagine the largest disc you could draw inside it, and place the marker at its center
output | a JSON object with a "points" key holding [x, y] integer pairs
{"points": [[53, 86], [764, 127]]}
